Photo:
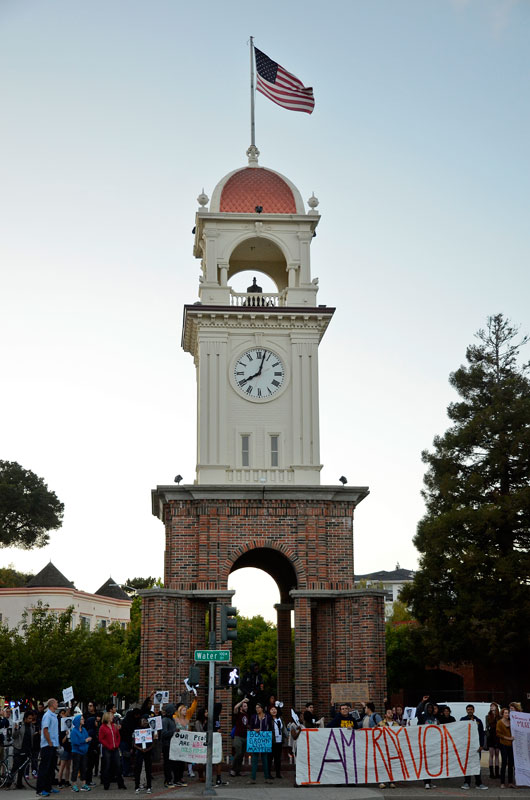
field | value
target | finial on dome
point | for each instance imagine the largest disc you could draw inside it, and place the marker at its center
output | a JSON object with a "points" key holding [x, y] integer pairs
{"points": [[253, 154], [202, 198], [313, 202]]}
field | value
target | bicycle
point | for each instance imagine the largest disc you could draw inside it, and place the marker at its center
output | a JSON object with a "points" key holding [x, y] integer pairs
{"points": [[8, 776]]}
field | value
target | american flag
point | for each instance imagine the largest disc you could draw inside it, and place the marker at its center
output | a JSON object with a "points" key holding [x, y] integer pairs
{"points": [[282, 87]]}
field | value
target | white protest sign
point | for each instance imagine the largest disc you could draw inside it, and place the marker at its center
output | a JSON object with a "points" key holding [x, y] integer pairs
{"points": [[409, 714], [68, 694], [143, 736], [155, 723], [190, 746], [374, 755], [520, 727], [16, 715], [295, 717], [160, 697], [66, 723]]}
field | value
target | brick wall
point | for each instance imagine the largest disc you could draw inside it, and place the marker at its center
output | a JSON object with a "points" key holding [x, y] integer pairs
{"points": [[304, 538]]}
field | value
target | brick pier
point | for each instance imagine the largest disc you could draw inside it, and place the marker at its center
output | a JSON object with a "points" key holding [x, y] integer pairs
{"points": [[301, 536]]}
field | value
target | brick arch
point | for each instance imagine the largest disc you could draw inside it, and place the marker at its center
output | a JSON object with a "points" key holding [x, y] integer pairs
{"points": [[253, 549]]}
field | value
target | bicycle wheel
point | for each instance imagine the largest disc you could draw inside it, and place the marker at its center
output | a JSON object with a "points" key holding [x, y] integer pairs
{"points": [[4, 773], [29, 777]]}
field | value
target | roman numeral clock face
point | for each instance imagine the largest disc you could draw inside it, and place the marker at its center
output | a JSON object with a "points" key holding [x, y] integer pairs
{"points": [[259, 374]]}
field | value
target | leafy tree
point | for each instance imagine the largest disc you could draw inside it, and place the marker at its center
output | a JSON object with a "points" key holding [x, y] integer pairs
{"points": [[256, 641], [45, 654], [141, 583], [28, 509], [10, 577], [472, 591]]}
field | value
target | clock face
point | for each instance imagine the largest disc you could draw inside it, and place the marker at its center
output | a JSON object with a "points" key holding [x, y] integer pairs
{"points": [[259, 373]]}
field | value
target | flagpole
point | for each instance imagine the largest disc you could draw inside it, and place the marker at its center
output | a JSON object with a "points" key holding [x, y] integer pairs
{"points": [[252, 122]]}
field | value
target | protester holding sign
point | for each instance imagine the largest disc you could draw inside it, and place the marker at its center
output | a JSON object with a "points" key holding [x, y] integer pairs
{"points": [[506, 745], [143, 752], [241, 720], [260, 721], [182, 723], [520, 728], [470, 712]]}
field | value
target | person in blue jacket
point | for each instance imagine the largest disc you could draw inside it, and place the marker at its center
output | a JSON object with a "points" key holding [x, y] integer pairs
{"points": [[80, 741]]}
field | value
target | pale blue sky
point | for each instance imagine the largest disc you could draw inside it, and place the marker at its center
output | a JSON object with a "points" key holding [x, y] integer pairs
{"points": [[116, 114]]}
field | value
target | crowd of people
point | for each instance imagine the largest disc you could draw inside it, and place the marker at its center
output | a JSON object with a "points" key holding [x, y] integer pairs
{"points": [[70, 747]]}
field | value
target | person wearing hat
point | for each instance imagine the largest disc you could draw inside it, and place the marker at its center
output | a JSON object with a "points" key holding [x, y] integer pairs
{"points": [[171, 773]]}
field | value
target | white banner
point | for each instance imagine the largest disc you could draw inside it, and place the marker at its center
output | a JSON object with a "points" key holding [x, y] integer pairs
{"points": [[520, 727], [374, 755], [190, 746]]}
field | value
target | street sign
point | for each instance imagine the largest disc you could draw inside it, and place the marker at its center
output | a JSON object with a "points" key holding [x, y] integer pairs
{"points": [[212, 655]]}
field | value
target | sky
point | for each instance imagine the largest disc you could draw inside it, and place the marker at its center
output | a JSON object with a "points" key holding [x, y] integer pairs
{"points": [[115, 115]]}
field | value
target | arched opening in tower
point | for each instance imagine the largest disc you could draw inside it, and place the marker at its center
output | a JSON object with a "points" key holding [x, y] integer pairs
{"points": [[258, 596], [259, 254]]}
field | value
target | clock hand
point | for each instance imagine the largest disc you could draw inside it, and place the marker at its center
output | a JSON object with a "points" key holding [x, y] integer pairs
{"points": [[245, 380], [261, 365]]}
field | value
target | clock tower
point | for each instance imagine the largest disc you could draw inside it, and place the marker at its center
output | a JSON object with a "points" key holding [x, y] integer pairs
{"points": [[255, 352], [257, 500]]}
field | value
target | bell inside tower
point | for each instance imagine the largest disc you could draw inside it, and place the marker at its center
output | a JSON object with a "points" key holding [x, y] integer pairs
{"points": [[258, 253]]}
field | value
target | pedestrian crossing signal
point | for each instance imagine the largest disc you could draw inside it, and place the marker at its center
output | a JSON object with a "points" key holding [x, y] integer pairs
{"points": [[229, 677]]}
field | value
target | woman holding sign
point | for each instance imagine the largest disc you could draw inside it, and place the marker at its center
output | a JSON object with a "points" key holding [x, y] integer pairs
{"points": [[259, 723], [182, 723]]}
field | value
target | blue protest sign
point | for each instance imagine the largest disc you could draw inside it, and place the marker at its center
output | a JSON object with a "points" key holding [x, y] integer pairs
{"points": [[259, 741]]}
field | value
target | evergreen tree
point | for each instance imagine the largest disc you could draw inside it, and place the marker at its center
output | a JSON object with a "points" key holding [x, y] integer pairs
{"points": [[472, 591]]}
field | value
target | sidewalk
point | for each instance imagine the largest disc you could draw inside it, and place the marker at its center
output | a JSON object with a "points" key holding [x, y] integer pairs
{"points": [[238, 789]]}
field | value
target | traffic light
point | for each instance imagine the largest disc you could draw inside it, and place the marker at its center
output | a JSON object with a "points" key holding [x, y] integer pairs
{"points": [[228, 623], [229, 677], [194, 676]]}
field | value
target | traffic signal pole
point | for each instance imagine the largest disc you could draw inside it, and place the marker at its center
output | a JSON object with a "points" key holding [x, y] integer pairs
{"points": [[208, 789]]}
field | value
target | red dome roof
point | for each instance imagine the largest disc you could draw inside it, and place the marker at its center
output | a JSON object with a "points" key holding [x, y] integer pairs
{"points": [[257, 186]]}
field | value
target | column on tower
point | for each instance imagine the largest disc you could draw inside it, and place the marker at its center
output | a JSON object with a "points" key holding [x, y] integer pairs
{"points": [[285, 662]]}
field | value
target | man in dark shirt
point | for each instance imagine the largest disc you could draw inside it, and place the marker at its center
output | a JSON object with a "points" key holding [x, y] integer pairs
{"points": [[241, 720], [470, 715], [23, 741], [343, 719]]}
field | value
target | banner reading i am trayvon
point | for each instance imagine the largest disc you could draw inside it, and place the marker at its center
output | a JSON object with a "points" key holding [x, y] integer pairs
{"points": [[374, 755]]}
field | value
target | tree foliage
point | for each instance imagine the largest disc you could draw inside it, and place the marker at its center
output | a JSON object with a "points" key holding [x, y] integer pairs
{"points": [[45, 655], [10, 577], [28, 509], [472, 592], [256, 641]]}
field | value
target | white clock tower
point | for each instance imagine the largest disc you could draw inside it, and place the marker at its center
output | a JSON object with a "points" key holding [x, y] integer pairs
{"points": [[256, 353]]}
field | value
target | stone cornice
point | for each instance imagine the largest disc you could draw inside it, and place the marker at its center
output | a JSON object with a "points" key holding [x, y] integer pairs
{"points": [[322, 594], [317, 494], [197, 594], [288, 318]]}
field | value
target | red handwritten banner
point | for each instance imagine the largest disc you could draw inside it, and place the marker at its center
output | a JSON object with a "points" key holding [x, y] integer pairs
{"points": [[373, 755]]}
